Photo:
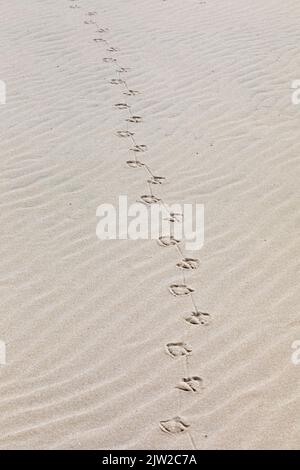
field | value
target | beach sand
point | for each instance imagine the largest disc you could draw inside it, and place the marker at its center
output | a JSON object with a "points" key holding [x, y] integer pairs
{"points": [[86, 323]]}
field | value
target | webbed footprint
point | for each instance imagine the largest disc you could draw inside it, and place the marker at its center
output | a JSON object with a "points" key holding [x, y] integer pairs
{"points": [[125, 134], [174, 217], [191, 384], [139, 148], [131, 92], [135, 119], [198, 318], [134, 163], [174, 426], [116, 81], [150, 199], [178, 349], [102, 30], [188, 263], [123, 70], [156, 180], [122, 106], [109, 59], [168, 241], [180, 289]]}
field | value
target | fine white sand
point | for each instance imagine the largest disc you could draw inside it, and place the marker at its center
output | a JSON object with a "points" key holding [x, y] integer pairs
{"points": [[85, 321]]}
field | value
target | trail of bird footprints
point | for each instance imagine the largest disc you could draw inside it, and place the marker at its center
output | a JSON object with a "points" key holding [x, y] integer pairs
{"points": [[191, 384]]}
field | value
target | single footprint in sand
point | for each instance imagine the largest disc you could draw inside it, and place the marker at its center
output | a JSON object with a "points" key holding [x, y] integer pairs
{"points": [[191, 384], [180, 289], [198, 318], [99, 40], [109, 59], [156, 180], [168, 241], [178, 349], [188, 263], [139, 148], [176, 216], [134, 163], [112, 49], [135, 119], [116, 81], [174, 426], [131, 93], [122, 106], [149, 199], [123, 70], [125, 133], [102, 30]]}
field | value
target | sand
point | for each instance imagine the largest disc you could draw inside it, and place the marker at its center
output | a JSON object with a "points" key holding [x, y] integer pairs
{"points": [[87, 322]]}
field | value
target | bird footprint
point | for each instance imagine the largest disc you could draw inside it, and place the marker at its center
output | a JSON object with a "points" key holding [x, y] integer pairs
{"points": [[174, 426], [125, 133], [198, 318], [188, 263], [156, 179], [117, 81], [175, 217], [134, 163], [150, 199], [191, 384], [122, 106], [139, 148], [109, 59], [102, 30], [180, 289], [135, 119], [178, 349], [131, 92], [168, 241]]}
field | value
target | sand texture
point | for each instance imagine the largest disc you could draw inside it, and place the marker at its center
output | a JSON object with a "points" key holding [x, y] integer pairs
{"points": [[96, 344]]}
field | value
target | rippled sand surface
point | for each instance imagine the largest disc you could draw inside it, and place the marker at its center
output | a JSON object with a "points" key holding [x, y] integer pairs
{"points": [[96, 345]]}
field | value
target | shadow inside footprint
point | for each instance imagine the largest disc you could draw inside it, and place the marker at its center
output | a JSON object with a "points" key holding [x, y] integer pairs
{"points": [[174, 426], [167, 241], [135, 119], [123, 70], [188, 263], [180, 289], [149, 199], [131, 92], [122, 106], [109, 59], [134, 163], [125, 133], [178, 349], [156, 180], [198, 318], [116, 81], [102, 30], [191, 384], [139, 148]]}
